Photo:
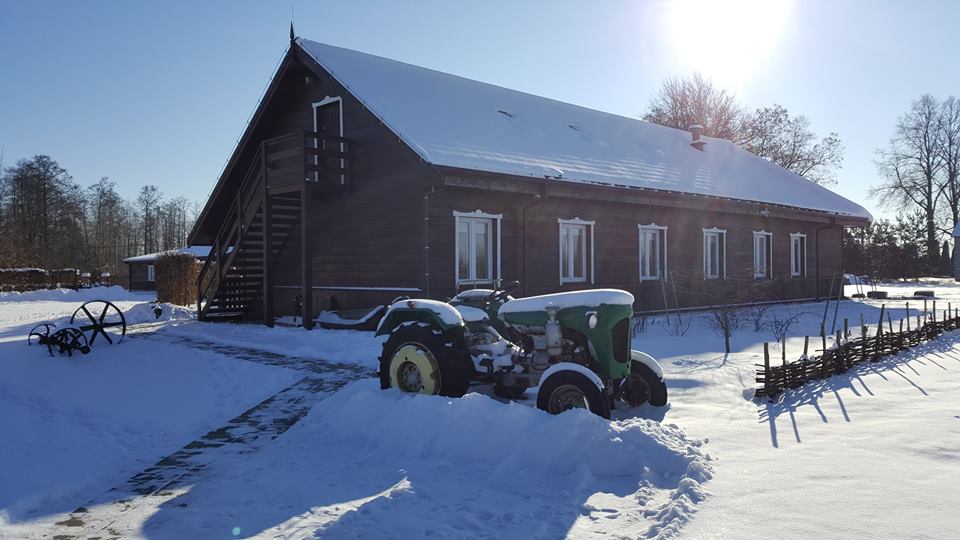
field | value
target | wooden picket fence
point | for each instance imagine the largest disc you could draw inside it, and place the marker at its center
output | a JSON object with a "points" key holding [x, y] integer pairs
{"points": [[846, 352]]}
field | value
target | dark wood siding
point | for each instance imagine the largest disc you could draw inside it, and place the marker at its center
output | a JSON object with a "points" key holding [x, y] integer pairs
{"points": [[616, 249], [138, 277], [369, 236]]}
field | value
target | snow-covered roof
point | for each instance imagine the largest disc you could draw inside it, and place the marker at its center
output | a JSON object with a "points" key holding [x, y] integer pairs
{"points": [[451, 121], [199, 252], [41, 270]]}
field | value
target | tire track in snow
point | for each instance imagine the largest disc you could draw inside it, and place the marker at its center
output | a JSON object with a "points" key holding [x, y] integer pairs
{"points": [[103, 516]]}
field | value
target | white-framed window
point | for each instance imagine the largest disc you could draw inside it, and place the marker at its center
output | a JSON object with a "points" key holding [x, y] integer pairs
{"points": [[714, 253], [576, 250], [762, 254], [327, 121], [477, 245], [653, 251], [798, 255], [151, 273]]}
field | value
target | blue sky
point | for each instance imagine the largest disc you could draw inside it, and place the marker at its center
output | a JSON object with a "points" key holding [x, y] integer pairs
{"points": [[157, 93]]}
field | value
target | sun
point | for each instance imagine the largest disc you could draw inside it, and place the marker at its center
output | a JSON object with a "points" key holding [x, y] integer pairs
{"points": [[727, 40]]}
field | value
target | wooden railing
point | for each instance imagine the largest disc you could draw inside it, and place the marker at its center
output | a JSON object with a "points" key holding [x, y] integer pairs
{"points": [[280, 164], [243, 209]]}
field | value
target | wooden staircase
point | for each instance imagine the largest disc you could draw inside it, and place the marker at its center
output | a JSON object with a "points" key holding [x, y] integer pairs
{"points": [[267, 213]]}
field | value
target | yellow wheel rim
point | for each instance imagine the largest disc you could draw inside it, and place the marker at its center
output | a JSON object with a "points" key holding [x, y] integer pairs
{"points": [[414, 369]]}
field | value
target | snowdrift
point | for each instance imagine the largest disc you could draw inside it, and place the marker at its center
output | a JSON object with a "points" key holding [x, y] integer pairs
{"points": [[112, 293], [367, 463], [143, 313], [479, 430]]}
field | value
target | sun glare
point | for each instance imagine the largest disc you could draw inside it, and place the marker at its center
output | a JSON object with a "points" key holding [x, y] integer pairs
{"points": [[727, 40]]}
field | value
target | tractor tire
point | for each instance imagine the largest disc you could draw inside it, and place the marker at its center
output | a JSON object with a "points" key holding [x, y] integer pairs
{"points": [[418, 359], [569, 389], [643, 386]]}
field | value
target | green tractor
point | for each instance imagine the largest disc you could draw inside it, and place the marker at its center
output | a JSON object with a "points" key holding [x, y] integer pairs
{"points": [[573, 346]]}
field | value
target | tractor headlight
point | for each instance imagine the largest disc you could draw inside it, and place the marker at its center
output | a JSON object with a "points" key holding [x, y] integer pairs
{"points": [[592, 320]]}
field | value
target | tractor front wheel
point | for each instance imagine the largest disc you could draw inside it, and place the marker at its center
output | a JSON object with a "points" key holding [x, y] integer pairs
{"points": [[642, 385], [568, 389], [418, 360]]}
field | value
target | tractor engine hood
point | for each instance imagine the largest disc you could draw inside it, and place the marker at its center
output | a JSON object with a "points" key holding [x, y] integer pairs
{"points": [[573, 299]]}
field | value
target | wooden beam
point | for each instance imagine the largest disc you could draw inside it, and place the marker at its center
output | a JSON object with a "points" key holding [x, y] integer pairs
{"points": [[306, 257], [267, 247]]}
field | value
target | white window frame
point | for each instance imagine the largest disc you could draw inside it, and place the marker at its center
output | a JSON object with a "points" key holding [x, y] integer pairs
{"points": [[588, 226], [767, 254], [494, 236], [660, 269], [795, 270], [151, 273], [316, 143], [722, 251]]}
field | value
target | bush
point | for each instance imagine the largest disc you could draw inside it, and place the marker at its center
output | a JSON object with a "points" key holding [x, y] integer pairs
{"points": [[176, 275]]}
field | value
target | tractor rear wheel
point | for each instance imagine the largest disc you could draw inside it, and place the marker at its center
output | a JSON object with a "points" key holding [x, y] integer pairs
{"points": [[568, 389], [417, 359]]}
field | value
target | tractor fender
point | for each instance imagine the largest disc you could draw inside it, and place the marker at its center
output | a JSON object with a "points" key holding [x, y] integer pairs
{"points": [[440, 315], [648, 361], [570, 366]]}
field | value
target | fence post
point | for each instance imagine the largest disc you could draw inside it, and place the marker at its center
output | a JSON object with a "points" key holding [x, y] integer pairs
{"points": [[839, 351], [890, 323], [863, 327], [934, 311], [766, 368], [883, 307], [806, 343], [823, 337]]}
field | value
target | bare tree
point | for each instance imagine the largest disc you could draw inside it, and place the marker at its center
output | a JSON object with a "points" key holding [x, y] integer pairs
{"points": [[769, 132], [681, 103], [772, 133], [148, 205], [948, 146], [910, 165], [43, 213]]}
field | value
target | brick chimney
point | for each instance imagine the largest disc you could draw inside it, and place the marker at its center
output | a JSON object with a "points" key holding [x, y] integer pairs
{"points": [[696, 130]]}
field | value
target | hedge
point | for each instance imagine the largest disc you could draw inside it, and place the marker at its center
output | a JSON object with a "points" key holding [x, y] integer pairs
{"points": [[176, 278]]}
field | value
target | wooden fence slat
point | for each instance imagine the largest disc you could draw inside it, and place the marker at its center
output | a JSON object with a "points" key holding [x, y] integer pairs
{"points": [[849, 352]]}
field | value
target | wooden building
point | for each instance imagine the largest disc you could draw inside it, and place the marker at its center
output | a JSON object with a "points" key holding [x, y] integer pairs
{"points": [[141, 271], [363, 178]]}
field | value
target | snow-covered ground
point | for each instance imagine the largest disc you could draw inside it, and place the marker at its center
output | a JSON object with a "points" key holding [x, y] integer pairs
{"points": [[873, 452], [73, 427]]}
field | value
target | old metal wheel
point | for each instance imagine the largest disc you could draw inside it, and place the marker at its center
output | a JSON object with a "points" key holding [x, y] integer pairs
{"points": [[102, 318], [41, 332]]}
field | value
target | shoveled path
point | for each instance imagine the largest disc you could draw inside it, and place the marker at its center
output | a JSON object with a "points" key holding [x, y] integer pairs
{"points": [[103, 516]]}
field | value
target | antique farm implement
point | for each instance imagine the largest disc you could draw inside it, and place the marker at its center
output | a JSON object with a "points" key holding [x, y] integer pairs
{"points": [[92, 320]]}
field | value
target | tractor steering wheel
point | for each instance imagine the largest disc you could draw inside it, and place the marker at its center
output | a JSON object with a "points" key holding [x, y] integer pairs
{"points": [[502, 294]]}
